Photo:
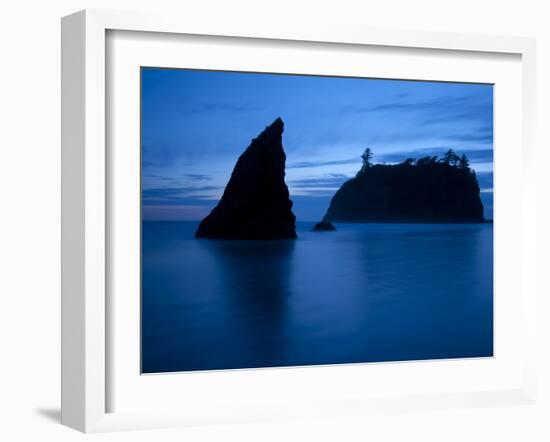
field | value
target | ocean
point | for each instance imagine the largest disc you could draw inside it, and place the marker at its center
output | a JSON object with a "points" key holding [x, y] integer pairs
{"points": [[364, 293]]}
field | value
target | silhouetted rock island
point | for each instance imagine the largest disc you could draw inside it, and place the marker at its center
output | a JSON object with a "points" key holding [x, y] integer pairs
{"points": [[255, 203], [429, 190], [324, 226]]}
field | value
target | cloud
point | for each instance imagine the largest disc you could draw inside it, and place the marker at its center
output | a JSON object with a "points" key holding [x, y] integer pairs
{"points": [[315, 192], [318, 185], [462, 107], [485, 181], [192, 106], [160, 153], [157, 177], [476, 113], [178, 194], [308, 164], [151, 181], [327, 181], [198, 176], [182, 212], [483, 136], [465, 118]]}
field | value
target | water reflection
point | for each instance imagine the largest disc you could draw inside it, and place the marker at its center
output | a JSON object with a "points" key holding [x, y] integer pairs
{"points": [[256, 278], [363, 293], [429, 295]]}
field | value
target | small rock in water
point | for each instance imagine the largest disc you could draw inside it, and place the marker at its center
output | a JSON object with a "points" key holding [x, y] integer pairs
{"points": [[324, 226]]}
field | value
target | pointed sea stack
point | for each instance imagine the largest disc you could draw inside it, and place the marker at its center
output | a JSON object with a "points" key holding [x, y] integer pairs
{"points": [[255, 203]]}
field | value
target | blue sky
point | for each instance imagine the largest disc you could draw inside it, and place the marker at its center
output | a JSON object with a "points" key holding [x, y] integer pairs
{"points": [[195, 124]]}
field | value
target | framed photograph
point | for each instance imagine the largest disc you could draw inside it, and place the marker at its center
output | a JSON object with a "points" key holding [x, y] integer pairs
{"points": [[266, 222]]}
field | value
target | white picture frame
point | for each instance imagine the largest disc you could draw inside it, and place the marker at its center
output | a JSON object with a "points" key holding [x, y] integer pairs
{"points": [[86, 204]]}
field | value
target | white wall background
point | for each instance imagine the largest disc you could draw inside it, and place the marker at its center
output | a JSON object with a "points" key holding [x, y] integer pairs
{"points": [[30, 217]]}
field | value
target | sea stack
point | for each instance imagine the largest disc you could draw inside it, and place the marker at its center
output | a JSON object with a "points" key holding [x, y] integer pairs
{"points": [[423, 191], [255, 203]]}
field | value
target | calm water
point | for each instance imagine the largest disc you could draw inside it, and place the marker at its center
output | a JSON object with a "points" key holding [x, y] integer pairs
{"points": [[365, 293]]}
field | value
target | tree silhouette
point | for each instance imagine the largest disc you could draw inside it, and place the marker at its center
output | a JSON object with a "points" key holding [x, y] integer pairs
{"points": [[464, 163], [447, 156], [366, 157], [450, 158]]}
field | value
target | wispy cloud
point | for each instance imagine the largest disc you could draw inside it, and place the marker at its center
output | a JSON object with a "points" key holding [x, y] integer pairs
{"points": [[195, 107], [157, 177], [465, 119], [308, 164], [168, 181], [461, 107], [322, 185], [198, 176], [177, 193], [326, 181], [160, 153], [178, 212], [483, 136]]}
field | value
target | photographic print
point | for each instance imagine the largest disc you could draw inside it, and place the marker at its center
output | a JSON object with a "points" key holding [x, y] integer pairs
{"points": [[295, 220]]}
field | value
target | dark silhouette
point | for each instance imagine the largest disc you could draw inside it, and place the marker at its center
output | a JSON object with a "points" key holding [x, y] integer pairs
{"points": [[450, 158], [366, 157], [255, 203], [324, 226], [425, 190], [464, 163]]}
